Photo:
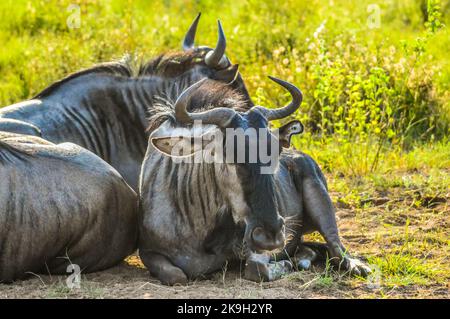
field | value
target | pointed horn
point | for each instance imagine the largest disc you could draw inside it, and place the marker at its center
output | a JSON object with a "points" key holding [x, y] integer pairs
{"points": [[220, 116], [189, 38], [213, 57], [275, 114]]}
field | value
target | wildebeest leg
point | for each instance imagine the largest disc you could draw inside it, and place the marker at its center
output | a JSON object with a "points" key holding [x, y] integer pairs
{"points": [[304, 257], [259, 268], [320, 212], [161, 268]]}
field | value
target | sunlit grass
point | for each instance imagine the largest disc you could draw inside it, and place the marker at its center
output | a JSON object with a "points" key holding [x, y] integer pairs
{"points": [[400, 269], [376, 101]]}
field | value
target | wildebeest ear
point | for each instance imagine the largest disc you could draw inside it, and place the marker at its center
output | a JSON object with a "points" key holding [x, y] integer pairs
{"points": [[180, 146], [174, 146], [288, 130], [227, 75]]}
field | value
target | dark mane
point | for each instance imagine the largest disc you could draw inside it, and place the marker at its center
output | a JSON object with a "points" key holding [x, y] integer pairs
{"points": [[211, 94], [172, 64], [120, 68], [167, 65]]}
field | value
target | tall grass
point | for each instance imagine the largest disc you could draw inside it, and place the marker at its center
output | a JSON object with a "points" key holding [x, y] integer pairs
{"points": [[368, 88]]}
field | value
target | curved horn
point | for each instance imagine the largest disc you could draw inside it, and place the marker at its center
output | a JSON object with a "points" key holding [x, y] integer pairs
{"points": [[220, 116], [213, 57], [275, 114], [188, 42]]}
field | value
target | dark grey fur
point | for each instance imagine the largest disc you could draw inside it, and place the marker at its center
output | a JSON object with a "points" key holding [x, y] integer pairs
{"points": [[193, 217], [60, 204], [103, 109]]}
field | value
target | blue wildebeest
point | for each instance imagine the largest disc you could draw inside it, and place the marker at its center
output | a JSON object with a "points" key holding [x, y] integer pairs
{"points": [[196, 216], [61, 205], [103, 109]]}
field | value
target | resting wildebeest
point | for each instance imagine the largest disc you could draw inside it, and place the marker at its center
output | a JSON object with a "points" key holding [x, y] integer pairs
{"points": [[196, 216], [60, 205], [19, 127], [103, 109]]}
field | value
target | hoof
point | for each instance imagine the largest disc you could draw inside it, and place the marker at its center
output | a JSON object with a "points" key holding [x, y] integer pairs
{"points": [[267, 271], [304, 264], [355, 267], [173, 276]]}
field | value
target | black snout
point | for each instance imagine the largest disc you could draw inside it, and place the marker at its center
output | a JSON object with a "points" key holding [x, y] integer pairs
{"points": [[264, 239]]}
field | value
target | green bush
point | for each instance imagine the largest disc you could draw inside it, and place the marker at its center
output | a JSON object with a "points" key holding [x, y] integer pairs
{"points": [[367, 87]]}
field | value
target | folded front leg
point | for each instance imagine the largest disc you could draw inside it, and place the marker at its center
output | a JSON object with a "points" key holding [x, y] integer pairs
{"points": [[259, 268], [320, 212], [162, 268]]}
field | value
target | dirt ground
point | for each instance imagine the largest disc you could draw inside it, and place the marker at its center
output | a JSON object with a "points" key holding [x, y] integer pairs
{"points": [[131, 280], [397, 228]]}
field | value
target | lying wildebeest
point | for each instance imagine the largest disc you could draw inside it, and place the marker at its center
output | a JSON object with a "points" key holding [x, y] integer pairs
{"points": [[19, 127], [103, 109], [195, 216], [61, 205]]}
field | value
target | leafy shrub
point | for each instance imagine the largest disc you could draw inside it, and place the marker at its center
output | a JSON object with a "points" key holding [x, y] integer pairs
{"points": [[366, 89]]}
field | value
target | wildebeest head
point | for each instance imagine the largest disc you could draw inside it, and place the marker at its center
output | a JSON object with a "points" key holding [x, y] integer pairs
{"points": [[201, 60], [246, 180]]}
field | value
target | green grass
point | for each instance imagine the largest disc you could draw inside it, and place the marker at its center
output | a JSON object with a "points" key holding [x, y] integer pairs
{"points": [[402, 270], [361, 84], [376, 100], [88, 289]]}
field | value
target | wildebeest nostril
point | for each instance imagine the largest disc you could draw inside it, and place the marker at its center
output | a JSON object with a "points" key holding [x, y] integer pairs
{"points": [[264, 241], [258, 234]]}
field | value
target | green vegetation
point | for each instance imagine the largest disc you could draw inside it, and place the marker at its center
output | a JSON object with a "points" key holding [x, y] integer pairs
{"points": [[376, 99]]}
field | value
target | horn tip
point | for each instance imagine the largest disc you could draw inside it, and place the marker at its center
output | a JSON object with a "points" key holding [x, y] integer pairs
{"points": [[279, 81], [197, 18], [189, 38], [219, 24], [287, 85]]}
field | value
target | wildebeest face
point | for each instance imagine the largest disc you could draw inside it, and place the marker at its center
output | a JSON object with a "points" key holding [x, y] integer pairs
{"points": [[256, 159], [250, 152], [259, 151]]}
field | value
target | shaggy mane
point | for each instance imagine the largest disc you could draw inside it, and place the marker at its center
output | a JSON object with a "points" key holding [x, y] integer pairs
{"points": [[172, 64], [167, 64], [211, 94], [120, 68]]}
